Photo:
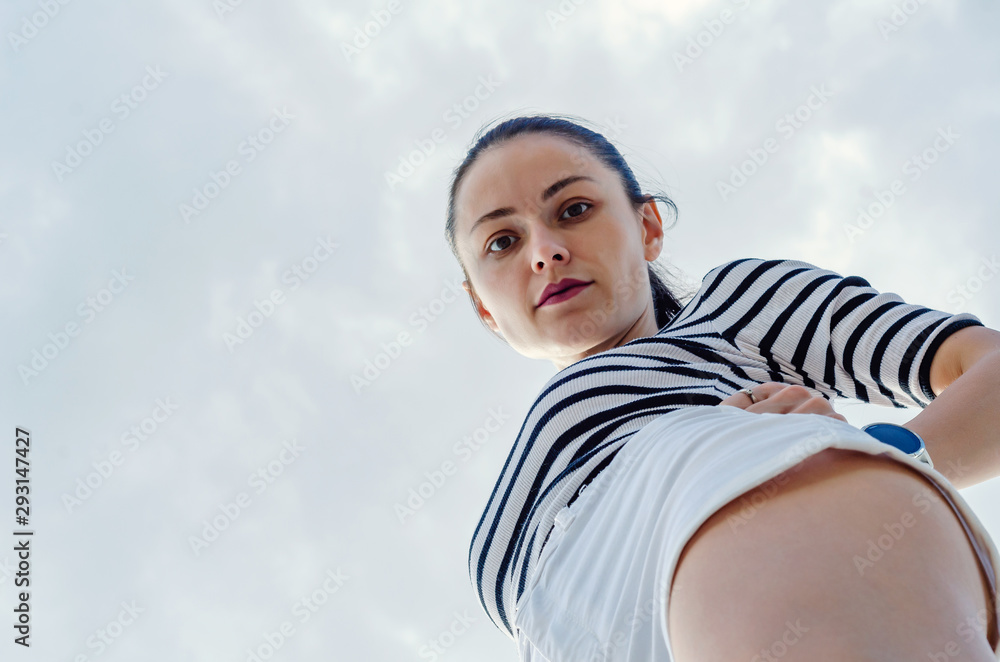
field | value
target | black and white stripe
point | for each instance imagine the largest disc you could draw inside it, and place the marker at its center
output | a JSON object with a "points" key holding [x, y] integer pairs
{"points": [[752, 321]]}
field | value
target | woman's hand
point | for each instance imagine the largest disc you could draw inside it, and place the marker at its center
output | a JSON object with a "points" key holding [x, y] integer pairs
{"points": [[779, 398]]}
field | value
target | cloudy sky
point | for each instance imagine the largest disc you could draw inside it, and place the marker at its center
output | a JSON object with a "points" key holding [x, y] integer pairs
{"points": [[213, 221]]}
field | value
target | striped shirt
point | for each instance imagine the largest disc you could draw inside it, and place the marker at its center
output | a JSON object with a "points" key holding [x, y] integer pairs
{"points": [[751, 321]]}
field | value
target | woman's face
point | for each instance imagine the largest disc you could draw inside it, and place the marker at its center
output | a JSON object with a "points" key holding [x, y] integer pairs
{"points": [[539, 209]]}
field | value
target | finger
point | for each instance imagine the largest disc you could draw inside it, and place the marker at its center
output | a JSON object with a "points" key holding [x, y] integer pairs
{"points": [[774, 405], [738, 400], [794, 393], [784, 400], [819, 406], [815, 406], [767, 390]]}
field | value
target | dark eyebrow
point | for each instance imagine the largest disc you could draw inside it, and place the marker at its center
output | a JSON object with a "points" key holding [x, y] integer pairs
{"points": [[548, 193]]}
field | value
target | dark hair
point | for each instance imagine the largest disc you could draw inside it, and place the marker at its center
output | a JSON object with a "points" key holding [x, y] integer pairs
{"points": [[665, 304]]}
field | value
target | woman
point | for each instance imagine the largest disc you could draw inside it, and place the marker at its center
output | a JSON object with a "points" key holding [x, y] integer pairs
{"points": [[635, 518]]}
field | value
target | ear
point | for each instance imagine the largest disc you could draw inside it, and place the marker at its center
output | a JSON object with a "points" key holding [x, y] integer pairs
{"points": [[652, 231], [480, 310]]}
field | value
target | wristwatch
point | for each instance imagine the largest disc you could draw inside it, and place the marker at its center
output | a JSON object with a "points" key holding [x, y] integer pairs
{"points": [[902, 438]]}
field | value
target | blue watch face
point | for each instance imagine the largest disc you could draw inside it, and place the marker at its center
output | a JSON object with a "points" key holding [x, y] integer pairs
{"points": [[895, 435]]}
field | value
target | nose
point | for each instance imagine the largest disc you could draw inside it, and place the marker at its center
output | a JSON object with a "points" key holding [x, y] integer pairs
{"points": [[547, 248]]}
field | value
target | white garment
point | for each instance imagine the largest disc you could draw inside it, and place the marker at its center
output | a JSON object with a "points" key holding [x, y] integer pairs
{"points": [[600, 589]]}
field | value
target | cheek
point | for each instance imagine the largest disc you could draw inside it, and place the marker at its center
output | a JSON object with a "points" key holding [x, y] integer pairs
{"points": [[501, 290], [631, 279]]}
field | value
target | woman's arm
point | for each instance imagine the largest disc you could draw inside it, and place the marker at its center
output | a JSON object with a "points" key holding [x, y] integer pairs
{"points": [[961, 426]]}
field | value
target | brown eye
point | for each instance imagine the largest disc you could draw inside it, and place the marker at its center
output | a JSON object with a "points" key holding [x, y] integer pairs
{"points": [[505, 236], [577, 204]]}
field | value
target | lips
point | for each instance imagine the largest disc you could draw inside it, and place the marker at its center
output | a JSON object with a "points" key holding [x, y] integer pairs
{"points": [[561, 286]]}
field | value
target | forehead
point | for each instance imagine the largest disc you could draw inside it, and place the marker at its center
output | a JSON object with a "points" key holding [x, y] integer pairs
{"points": [[516, 173]]}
